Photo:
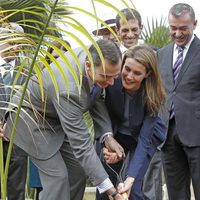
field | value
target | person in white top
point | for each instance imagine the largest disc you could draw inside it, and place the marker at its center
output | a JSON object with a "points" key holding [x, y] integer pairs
{"points": [[129, 31], [104, 32]]}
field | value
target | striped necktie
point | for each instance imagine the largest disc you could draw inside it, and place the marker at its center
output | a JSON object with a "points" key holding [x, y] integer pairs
{"points": [[178, 63], [176, 69]]}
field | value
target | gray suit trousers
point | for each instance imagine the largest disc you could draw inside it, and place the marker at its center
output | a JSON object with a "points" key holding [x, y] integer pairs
{"points": [[63, 173]]}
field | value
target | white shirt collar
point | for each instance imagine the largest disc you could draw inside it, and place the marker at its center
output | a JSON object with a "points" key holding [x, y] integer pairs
{"points": [[175, 54], [2, 61], [2, 69], [187, 45], [122, 48]]}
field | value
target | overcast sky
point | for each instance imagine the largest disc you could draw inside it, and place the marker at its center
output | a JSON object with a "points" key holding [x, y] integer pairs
{"points": [[147, 9]]}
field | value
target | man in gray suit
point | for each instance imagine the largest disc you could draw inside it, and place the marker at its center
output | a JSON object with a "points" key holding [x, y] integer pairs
{"points": [[54, 125], [180, 70]]}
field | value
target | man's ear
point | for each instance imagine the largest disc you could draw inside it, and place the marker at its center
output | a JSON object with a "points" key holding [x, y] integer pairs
{"points": [[88, 65], [116, 30], [141, 27], [195, 24]]}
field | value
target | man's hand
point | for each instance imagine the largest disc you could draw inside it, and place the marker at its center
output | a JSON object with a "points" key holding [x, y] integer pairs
{"points": [[113, 194], [113, 146], [2, 129], [110, 157]]}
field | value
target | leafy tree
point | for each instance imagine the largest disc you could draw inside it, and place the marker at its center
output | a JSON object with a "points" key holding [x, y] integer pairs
{"points": [[156, 33]]}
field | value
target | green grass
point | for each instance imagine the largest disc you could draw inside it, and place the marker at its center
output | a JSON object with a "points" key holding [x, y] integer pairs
{"points": [[89, 196]]}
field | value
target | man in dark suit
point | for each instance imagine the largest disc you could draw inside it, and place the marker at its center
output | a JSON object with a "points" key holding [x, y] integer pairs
{"points": [[55, 135], [18, 163], [180, 71]]}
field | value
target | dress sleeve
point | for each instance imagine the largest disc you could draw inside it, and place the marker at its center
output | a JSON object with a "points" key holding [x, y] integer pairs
{"points": [[145, 147]]}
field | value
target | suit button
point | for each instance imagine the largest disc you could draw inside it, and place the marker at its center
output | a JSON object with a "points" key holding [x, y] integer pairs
{"points": [[174, 93]]}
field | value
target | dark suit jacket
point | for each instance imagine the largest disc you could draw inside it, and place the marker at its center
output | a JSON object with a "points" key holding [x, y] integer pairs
{"points": [[185, 94], [148, 131]]}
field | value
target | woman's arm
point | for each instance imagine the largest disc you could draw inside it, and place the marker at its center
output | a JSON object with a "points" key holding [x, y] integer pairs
{"points": [[146, 147]]}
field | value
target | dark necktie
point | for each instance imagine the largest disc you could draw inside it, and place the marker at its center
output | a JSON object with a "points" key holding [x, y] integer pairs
{"points": [[178, 63], [176, 69], [94, 92]]}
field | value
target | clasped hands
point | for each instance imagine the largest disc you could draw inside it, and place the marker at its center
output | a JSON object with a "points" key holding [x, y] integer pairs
{"points": [[113, 153]]}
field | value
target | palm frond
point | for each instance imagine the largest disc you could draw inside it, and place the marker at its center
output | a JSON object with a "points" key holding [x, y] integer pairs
{"points": [[156, 33], [33, 14], [40, 20]]}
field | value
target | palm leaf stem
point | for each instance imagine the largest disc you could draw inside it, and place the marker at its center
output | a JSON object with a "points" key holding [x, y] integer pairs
{"points": [[21, 101]]}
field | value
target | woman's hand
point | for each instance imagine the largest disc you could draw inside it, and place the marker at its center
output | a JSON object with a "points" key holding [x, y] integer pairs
{"points": [[125, 187], [119, 197]]}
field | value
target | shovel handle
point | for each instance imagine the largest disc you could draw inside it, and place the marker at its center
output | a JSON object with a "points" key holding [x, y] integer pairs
{"points": [[125, 196]]}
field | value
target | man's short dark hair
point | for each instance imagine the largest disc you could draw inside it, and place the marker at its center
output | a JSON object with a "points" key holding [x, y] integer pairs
{"points": [[180, 9], [109, 50], [133, 14]]}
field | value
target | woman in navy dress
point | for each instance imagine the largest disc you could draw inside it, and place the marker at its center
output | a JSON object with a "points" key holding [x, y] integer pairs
{"points": [[134, 102]]}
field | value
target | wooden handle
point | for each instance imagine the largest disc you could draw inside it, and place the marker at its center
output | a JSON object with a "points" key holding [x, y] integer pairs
{"points": [[125, 196]]}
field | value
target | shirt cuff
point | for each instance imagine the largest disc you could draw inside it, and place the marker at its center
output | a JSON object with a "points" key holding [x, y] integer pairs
{"points": [[104, 186], [102, 138]]}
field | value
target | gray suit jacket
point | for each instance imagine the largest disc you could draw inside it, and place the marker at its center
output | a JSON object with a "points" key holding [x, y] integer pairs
{"points": [[185, 94], [44, 124]]}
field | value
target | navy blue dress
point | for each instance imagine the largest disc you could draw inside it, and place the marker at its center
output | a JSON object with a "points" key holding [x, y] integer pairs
{"points": [[139, 134]]}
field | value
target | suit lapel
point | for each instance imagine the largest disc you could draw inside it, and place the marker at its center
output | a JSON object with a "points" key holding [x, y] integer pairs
{"points": [[168, 62], [194, 47]]}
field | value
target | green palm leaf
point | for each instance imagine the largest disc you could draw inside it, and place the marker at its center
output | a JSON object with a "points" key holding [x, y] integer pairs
{"points": [[156, 33], [41, 21]]}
